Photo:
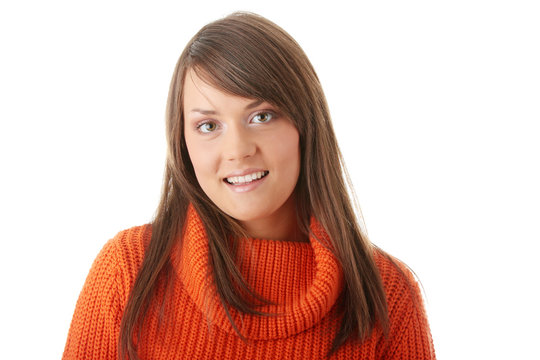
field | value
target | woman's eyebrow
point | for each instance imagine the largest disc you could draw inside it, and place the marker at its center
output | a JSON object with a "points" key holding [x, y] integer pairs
{"points": [[212, 112], [205, 112], [254, 104]]}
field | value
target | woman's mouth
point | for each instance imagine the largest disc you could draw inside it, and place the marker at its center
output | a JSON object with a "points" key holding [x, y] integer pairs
{"points": [[246, 179]]}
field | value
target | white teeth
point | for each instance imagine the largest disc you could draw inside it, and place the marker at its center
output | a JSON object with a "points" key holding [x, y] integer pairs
{"points": [[247, 178]]}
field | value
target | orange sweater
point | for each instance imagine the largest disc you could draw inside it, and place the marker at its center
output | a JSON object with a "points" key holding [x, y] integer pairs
{"points": [[302, 279]]}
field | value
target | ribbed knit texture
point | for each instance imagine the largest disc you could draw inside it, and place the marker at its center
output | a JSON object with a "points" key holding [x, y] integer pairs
{"points": [[304, 281]]}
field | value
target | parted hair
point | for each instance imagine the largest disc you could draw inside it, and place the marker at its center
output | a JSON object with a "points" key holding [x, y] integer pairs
{"points": [[246, 55]]}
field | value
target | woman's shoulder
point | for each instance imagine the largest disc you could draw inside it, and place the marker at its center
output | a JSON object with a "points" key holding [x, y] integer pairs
{"points": [[409, 328], [391, 269], [399, 281], [123, 254], [105, 293], [130, 242]]}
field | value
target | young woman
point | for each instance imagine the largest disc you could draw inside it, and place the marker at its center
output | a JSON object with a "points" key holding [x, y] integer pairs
{"points": [[255, 251]]}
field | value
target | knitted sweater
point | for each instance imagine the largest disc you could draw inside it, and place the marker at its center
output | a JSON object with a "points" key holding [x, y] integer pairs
{"points": [[303, 280]]}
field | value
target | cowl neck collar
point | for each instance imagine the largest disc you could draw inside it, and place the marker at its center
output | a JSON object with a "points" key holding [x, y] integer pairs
{"points": [[303, 280]]}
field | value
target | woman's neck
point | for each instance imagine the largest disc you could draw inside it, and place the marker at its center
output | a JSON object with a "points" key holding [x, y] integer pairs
{"points": [[282, 225]]}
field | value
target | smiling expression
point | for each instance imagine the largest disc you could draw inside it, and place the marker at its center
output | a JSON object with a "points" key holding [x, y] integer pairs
{"points": [[245, 152]]}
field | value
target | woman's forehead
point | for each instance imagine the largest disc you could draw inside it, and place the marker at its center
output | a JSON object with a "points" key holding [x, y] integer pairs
{"points": [[198, 92]]}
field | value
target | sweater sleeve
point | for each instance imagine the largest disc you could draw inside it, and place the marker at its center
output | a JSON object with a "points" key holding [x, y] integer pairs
{"points": [[410, 335], [95, 326]]}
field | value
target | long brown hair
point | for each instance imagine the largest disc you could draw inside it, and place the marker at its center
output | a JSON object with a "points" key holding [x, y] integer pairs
{"points": [[247, 55]]}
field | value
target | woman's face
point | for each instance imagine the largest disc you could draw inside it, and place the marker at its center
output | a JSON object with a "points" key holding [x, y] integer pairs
{"points": [[245, 153]]}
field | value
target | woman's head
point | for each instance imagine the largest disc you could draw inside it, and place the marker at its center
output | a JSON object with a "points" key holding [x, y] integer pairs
{"points": [[246, 157], [247, 56]]}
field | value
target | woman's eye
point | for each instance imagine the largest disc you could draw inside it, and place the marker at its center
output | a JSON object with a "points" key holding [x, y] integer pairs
{"points": [[207, 127], [263, 117]]}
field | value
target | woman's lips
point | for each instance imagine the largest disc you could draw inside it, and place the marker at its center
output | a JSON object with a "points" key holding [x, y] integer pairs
{"points": [[247, 186], [246, 178]]}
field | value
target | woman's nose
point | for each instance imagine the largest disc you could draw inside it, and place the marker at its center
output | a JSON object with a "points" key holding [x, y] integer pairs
{"points": [[238, 143]]}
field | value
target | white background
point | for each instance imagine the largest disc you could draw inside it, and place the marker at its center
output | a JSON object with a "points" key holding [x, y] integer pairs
{"points": [[436, 106]]}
